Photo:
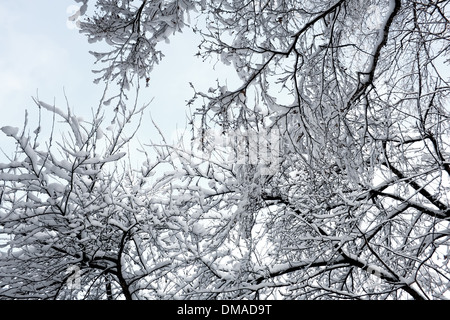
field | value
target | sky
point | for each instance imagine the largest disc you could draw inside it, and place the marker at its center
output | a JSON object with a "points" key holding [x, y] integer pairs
{"points": [[44, 55]]}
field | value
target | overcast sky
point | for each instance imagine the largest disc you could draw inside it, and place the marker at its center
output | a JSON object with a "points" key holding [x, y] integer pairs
{"points": [[40, 53]]}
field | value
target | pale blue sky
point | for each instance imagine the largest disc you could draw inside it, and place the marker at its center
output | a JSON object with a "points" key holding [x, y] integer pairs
{"points": [[40, 53]]}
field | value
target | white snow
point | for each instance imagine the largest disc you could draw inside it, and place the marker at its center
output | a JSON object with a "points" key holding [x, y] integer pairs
{"points": [[16, 177], [55, 188], [10, 131], [95, 223], [117, 224]]}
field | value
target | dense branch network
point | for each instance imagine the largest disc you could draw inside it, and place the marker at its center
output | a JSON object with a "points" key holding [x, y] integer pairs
{"points": [[323, 174]]}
